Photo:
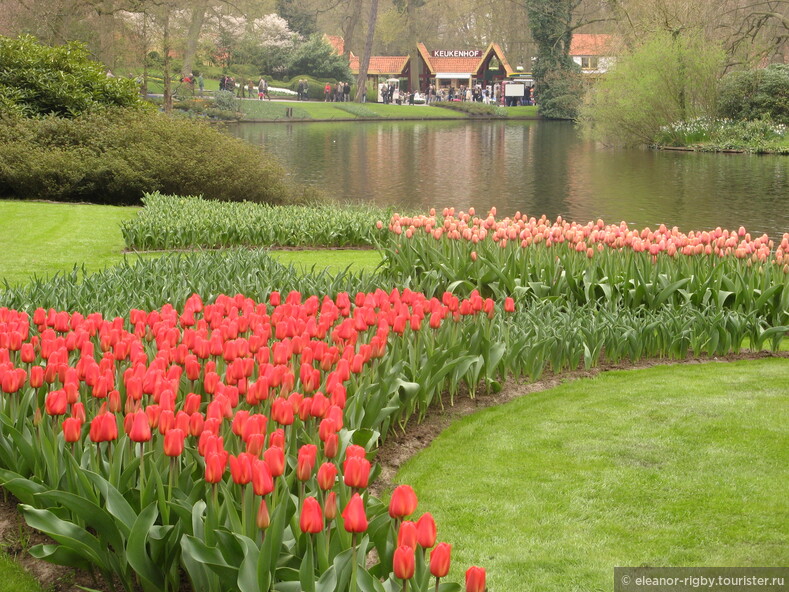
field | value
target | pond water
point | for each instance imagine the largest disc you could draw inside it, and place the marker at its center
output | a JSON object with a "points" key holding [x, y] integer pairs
{"points": [[535, 167]]}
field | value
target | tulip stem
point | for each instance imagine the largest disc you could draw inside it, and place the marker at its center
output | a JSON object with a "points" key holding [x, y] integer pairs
{"points": [[355, 563], [437, 580]]}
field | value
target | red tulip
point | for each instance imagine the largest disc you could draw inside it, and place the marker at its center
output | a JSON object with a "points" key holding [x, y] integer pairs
{"points": [[439, 560], [327, 473], [241, 468], [509, 304], [406, 534], [354, 516], [275, 459], [103, 428], [330, 506], [174, 442], [262, 482], [404, 563], [263, 519], [330, 445], [215, 467], [56, 402], [308, 454], [140, 429], [356, 472], [311, 519], [403, 502], [426, 531], [72, 429], [475, 579]]}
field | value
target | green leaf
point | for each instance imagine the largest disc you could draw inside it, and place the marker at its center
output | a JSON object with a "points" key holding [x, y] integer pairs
{"points": [[136, 549], [74, 538], [307, 570]]}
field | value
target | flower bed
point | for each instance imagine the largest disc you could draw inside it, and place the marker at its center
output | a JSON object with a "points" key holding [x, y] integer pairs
{"points": [[117, 435]]}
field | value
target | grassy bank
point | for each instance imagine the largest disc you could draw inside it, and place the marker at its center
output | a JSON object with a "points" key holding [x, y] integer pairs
{"points": [[647, 467]]}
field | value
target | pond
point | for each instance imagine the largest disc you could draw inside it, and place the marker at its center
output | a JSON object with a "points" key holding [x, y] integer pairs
{"points": [[535, 167]]}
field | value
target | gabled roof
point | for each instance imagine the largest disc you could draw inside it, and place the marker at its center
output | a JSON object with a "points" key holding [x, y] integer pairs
{"points": [[380, 65], [337, 42], [463, 65], [500, 55], [590, 44]]}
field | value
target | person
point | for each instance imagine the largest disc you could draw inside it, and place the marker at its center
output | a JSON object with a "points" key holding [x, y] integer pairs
{"points": [[327, 92], [300, 89], [263, 89], [200, 83], [346, 90], [305, 92]]}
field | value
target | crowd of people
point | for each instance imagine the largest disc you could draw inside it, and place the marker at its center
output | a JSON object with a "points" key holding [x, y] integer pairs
{"points": [[338, 93]]}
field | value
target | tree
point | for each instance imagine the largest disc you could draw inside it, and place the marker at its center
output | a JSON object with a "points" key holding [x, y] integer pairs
{"points": [[756, 94], [317, 58], [300, 19], [551, 27], [667, 79], [37, 79], [364, 64]]}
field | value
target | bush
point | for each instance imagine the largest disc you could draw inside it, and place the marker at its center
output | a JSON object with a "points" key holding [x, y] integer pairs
{"points": [[665, 80], [115, 157], [756, 94], [37, 80]]}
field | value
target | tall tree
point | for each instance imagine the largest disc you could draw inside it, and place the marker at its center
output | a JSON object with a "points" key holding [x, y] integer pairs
{"points": [[192, 35], [364, 63]]}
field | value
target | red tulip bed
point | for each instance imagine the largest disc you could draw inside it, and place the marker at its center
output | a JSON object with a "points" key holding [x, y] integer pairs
{"points": [[228, 441]]}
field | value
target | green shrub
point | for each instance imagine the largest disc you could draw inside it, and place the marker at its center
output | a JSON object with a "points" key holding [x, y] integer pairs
{"points": [[37, 80], [756, 94], [116, 157]]}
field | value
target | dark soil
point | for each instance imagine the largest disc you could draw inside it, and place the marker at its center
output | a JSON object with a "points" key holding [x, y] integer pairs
{"points": [[16, 537]]}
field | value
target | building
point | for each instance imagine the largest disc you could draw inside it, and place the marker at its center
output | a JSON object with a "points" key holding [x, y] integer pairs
{"points": [[592, 52], [441, 67]]}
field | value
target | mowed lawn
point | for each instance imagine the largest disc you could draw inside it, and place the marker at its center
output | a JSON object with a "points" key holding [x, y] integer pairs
{"points": [[681, 465], [44, 238], [41, 239]]}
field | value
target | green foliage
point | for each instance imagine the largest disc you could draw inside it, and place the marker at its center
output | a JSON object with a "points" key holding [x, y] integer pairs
{"points": [[116, 157], [709, 134], [299, 19], [318, 59], [665, 80], [226, 100], [37, 80], [756, 94], [556, 76], [173, 222]]}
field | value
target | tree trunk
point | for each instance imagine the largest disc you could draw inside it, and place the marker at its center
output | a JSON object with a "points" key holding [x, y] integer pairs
{"points": [[364, 64], [168, 94], [193, 35], [353, 20], [413, 79]]}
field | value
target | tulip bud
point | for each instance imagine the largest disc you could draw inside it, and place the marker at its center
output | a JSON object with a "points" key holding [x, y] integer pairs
{"points": [[174, 442], [263, 518], [475, 579], [354, 516], [327, 473], [403, 502], [404, 562], [440, 559], [311, 518], [330, 506], [406, 534], [426, 530]]}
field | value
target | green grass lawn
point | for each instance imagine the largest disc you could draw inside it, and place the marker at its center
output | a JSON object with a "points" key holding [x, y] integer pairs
{"points": [[14, 579], [669, 466], [44, 238], [254, 109]]}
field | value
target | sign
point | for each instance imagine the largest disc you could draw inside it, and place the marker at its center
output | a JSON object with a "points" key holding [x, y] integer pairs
{"points": [[456, 53]]}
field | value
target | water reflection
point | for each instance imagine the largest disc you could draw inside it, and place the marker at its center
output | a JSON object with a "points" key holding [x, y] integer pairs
{"points": [[533, 167]]}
